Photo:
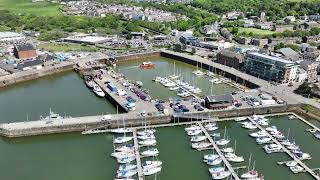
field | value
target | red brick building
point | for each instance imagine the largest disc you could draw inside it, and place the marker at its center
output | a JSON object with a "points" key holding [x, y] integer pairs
{"points": [[230, 59], [24, 51]]}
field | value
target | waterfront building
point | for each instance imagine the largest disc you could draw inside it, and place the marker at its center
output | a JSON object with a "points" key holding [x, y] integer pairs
{"points": [[187, 38], [270, 68], [311, 69], [219, 102], [24, 51], [231, 59]]}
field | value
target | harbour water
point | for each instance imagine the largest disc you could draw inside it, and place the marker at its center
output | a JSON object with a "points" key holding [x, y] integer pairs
{"points": [[83, 157], [164, 67]]}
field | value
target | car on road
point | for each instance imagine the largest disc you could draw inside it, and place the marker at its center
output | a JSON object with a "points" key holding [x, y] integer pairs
{"points": [[160, 107]]}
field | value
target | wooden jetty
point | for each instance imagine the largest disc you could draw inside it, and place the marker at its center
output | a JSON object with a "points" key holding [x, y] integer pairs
{"points": [[138, 159], [226, 162], [302, 164]]}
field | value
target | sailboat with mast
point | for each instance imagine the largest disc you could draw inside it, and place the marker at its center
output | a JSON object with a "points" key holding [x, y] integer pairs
{"points": [[198, 72], [250, 174], [224, 141]]}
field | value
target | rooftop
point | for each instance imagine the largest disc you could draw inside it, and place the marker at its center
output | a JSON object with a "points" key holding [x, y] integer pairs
{"points": [[271, 57], [9, 34], [220, 98], [24, 47]]}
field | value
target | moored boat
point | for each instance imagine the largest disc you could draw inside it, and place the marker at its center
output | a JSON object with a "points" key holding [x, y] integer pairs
{"points": [[147, 65]]}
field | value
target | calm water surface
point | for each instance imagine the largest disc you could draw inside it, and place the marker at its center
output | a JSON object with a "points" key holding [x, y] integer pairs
{"points": [[75, 156]]}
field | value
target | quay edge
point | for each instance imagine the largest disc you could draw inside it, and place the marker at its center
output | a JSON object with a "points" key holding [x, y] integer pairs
{"points": [[77, 124]]}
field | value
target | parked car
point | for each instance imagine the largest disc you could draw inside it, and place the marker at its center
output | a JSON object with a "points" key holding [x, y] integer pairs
{"points": [[159, 106], [130, 99]]}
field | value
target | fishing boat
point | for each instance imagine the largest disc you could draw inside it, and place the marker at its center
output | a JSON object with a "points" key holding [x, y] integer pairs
{"points": [[198, 138], [199, 145], [126, 167], [126, 160], [291, 163], [90, 83], [150, 152], [122, 139], [272, 148], [296, 169], [214, 162], [121, 130], [151, 164], [221, 175], [98, 91], [126, 174], [151, 171], [194, 132], [263, 140], [52, 116], [148, 142], [146, 65], [259, 134]]}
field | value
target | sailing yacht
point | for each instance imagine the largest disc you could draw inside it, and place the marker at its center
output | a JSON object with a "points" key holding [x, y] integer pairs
{"points": [[214, 162], [151, 171], [126, 167], [224, 141], [250, 174], [296, 169], [122, 139], [198, 138], [126, 174], [148, 142], [221, 175], [151, 164], [121, 130], [150, 152]]}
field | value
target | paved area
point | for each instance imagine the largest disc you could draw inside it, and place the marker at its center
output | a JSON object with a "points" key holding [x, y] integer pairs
{"points": [[282, 91]]}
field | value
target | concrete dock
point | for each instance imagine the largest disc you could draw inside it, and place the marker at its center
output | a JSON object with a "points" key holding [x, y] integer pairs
{"points": [[121, 101], [138, 159], [225, 161], [302, 164]]}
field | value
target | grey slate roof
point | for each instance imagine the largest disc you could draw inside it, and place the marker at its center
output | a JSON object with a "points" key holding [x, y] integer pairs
{"points": [[24, 47], [220, 98]]}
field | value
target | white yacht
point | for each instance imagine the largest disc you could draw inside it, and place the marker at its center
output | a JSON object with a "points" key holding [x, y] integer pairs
{"points": [[98, 91], [271, 129], [150, 152], [120, 155], [296, 169], [198, 73], [126, 160], [192, 128], [174, 88], [151, 171], [126, 174], [222, 142], [215, 134], [250, 126], [126, 167], [291, 163], [145, 137], [148, 142], [259, 134], [239, 119], [122, 139], [199, 145], [198, 138], [210, 157], [52, 116], [263, 140], [221, 175], [271, 148], [227, 150], [151, 164], [194, 132], [214, 162], [121, 130], [146, 132], [125, 148], [196, 90], [250, 174], [235, 158], [214, 170], [90, 83], [184, 94]]}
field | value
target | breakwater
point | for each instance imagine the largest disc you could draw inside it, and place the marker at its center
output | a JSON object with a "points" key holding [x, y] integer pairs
{"points": [[35, 74], [138, 56], [41, 127]]}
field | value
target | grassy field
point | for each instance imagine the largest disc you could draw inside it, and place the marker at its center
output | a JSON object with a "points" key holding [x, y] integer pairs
{"points": [[26, 6], [255, 31], [311, 109], [53, 47]]}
